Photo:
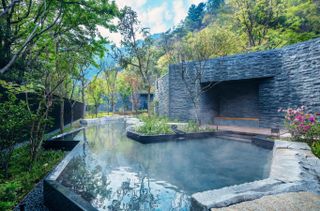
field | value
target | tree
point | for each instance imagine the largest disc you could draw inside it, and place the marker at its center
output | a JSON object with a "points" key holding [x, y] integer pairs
{"points": [[95, 93], [195, 15], [139, 54], [256, 18], [135, 84], [111, 76], [124, 88], [199, 47], [44, 33], [213, 5], [14, 119], [25, 23]]}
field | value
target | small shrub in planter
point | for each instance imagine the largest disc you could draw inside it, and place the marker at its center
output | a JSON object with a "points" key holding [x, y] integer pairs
{"points": [[304, 126], [154, 125], [299, 122]]}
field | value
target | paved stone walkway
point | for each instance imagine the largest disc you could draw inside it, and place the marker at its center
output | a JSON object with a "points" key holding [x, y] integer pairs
{"points": [[301, 201]]}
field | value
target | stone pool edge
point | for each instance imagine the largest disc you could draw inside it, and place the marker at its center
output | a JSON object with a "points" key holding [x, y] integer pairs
{"points": [[294, 168], [58, 197]]}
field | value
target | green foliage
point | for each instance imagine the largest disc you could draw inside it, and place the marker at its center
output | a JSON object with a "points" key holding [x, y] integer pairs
{"points": [[192, 126], [313, 134], [95, 92], [195, 15], [315, 147], [14, 119], [154, 125], [36, 25], [240, 26], [22, 178]]}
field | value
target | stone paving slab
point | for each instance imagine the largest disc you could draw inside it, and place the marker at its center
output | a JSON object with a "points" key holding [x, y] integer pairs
{"points": [[300, 201]]}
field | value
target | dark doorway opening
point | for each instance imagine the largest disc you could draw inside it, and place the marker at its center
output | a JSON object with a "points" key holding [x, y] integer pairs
{"points": [[233, 102]]}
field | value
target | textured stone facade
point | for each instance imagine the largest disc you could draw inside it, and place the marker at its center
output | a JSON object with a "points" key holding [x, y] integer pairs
{"points": [[162, 96], [285, 77]]}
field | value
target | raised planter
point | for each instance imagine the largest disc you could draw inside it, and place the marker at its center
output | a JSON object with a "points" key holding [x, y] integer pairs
{"points": [[147, 139]]}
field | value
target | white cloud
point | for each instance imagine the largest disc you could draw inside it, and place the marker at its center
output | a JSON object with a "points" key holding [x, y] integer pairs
{"points": [[156, 18], [135, 4], [196, 2], [180, 10]]}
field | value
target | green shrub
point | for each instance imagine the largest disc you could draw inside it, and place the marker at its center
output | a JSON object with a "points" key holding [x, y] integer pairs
{"points": [[313, 133], [154, 125], [22, 178], [316, 148], [14, 120], [192, 127]]}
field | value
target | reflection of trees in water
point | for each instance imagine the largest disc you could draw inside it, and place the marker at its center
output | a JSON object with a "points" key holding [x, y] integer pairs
{"points": [[87, 178], [91, 184], [138, 197]]}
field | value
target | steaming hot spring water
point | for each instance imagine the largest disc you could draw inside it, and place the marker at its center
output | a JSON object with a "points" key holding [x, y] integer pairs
{"points": [[113, 172]]}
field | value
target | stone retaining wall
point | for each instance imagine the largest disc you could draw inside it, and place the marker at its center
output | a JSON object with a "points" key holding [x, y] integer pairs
{"points": [[287, 77]]}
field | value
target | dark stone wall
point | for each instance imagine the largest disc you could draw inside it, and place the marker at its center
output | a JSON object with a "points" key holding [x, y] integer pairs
{"points": [[285, 77], [54, 113], [162, 96]]}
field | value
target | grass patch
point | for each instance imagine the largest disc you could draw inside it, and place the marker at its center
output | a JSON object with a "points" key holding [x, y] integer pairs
{"points": [[21, 178]]}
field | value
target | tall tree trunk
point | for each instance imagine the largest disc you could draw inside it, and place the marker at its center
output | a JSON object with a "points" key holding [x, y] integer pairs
{"points": [[61, 114], [132, 102], [112, 103], [96, 110], [83, 101], [149, 100]]}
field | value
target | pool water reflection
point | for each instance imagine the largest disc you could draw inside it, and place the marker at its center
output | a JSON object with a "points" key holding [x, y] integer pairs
{"points": [[113, 172]]}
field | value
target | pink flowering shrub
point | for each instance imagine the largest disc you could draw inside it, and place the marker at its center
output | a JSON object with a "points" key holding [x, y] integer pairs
{"points": [[302, 125]]}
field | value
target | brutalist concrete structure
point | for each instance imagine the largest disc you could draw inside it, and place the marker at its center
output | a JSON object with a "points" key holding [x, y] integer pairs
{"points": [[248, 88]]}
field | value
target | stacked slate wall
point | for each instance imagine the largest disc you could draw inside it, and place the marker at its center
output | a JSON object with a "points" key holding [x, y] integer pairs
{"points": [[287, 77], [162, 95]]}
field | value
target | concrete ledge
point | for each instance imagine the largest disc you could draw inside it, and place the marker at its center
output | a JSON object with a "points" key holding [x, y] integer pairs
{"points": [[294, 168]]}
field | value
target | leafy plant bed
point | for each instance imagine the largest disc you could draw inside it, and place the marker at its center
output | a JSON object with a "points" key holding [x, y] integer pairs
{"points": [[22, 178], [146, 139]]}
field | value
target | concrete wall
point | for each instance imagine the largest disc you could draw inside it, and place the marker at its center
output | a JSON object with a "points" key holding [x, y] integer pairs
{"points": [[287, 77]]}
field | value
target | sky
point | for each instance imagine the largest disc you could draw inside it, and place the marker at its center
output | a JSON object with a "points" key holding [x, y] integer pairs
{"points": [[158, 15]]}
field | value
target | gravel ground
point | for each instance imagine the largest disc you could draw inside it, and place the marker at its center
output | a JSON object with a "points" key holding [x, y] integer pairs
{"points": [[34, 200]]}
